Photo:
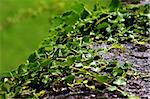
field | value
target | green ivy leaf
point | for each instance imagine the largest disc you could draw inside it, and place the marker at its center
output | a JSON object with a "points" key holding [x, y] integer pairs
{"points": [[102, 25], [45, 79], [112, 88], [22, 69], [71, 19], [79, 65], [78, 8], [54, 71], [57, 21], [115, 4], [69, 78], [32, 58], [101, 79], [120, 81], [68, 29], [46, 63], [117, 71]]}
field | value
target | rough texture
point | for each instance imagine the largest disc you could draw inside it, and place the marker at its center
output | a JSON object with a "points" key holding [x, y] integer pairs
{"points": [[139, 56]]}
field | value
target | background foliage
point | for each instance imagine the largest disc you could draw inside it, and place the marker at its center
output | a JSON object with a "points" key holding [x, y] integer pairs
{"points": [[23, 24]]}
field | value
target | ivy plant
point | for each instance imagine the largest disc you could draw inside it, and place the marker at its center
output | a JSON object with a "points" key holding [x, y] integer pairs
{"points": [[66, 62]]}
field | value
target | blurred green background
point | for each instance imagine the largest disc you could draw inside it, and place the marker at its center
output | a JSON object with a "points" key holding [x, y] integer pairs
{"points": [[24, 24]]}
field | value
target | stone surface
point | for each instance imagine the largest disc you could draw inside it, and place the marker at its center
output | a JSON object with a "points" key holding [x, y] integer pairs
{"points": [[135, 86]]}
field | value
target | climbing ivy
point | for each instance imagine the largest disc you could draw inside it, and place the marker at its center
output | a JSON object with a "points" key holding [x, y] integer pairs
{"points": [[66, 62]]}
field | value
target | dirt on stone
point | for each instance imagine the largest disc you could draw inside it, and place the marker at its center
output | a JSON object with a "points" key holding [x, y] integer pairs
{"points": [[139, 56]]}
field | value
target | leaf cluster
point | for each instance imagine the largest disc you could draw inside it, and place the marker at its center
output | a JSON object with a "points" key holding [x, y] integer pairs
{"points": [[66, 62]]}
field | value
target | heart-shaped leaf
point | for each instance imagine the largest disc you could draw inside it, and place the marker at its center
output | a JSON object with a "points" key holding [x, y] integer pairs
{"points": [[120, 81]]}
